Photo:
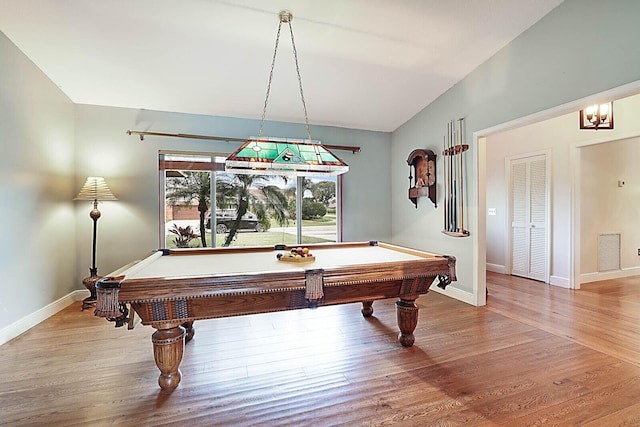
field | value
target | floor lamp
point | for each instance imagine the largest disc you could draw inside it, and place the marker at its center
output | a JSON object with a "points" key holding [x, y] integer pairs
{"points": [[94, 189]]}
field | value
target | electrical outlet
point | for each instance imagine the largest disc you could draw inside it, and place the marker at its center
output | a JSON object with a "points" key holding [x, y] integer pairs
{"points": [[638, 252]]}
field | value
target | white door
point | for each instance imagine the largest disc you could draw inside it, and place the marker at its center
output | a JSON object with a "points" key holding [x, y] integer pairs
{"points": [[529, 215]]}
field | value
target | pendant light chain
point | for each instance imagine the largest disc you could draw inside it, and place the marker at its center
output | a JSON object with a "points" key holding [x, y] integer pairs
{"points": [[285, 16], [304, 105], [273, 64]]}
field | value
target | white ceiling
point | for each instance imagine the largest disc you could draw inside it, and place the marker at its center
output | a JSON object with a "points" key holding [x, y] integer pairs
{"points": [[365, 64]]}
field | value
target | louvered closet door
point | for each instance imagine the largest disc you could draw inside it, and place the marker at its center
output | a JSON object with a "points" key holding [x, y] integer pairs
{"points": [[528, 217]]}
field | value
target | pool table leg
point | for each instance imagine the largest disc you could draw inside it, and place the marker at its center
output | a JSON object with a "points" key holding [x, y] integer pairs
{"points": [[407, 314], [168, 347], [367, 308]]}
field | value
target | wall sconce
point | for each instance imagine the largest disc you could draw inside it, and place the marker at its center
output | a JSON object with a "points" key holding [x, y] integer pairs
{"points": [[94, 189], [598, 116]]}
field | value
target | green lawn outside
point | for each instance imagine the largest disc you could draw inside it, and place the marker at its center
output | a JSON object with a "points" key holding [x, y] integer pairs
{"points": [[267, 238], [328, 219]]}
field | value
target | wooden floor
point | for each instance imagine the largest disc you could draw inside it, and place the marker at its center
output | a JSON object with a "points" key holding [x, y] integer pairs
{"points": [[535, 355]]}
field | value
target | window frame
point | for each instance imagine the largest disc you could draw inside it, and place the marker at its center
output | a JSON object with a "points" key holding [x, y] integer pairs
{"points": [[214, 167]]}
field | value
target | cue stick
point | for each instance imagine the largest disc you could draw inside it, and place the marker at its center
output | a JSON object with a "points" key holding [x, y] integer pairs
{"points": [[444, 174], [446, 181], [449, 175], [454, 225], [452, 199], [456, 139], [456, 180], [454, 157], [461, 181]]}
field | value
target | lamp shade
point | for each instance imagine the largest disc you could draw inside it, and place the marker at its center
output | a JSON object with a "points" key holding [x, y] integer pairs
{"points": [[95, 188]]}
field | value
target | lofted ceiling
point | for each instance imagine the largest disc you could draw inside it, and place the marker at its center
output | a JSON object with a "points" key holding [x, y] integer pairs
{"points": [[365, 64]]}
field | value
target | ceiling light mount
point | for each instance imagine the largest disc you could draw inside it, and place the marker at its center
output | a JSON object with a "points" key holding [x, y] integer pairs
{"points": [[285, 16]]}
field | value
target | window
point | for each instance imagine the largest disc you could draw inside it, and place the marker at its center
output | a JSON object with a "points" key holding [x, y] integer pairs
{"points": [[249, 210]]}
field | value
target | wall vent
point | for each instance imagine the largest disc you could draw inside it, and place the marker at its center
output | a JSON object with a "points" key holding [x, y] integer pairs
{"points": [[608, 252]]}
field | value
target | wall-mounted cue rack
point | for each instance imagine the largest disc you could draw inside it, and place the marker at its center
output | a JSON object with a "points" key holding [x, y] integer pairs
{"points": [[455, 217]]}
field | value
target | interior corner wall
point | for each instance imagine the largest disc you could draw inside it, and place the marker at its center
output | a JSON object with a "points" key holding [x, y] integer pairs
{"points": [[546, 66], [608, 206], [37, 255], [128, 228]]}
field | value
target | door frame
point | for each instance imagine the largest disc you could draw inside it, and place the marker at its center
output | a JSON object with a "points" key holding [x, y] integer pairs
{"points": [[547, 219]]}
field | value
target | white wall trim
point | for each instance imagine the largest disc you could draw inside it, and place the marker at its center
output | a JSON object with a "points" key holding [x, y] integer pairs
{"points": [[607, 275], [478, 218], [495, 268], [562, 282], [456, 293], [29, 321]]}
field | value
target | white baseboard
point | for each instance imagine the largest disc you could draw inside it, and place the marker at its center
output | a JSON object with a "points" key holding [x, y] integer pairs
{"points": [[454, 292], [16, 328], [495, 268], [607, 275], [561, 282], [553, 280]]}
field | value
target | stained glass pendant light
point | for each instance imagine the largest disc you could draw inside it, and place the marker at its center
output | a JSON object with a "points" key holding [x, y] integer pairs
{"points": [[284, 156]]}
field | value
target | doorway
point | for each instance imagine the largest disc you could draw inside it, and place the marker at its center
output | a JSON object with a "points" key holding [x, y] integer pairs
{"points": [[484, 219]]}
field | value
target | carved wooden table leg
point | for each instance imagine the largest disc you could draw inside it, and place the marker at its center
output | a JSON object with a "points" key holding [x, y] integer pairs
{"points": [[407, 314], [188, 326], [168, 346], [367, 308]]}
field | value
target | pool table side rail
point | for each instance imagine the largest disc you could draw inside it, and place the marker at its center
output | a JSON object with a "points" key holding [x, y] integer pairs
{"points": [[146, 289], [221, 295], [157, 312], [339, 288], [326, 245]]}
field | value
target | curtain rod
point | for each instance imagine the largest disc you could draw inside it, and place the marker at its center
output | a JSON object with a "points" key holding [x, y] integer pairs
{"points": [[142, 134]]}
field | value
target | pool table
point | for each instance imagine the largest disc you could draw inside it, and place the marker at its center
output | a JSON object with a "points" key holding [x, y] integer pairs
{"points": [[170, 289]]}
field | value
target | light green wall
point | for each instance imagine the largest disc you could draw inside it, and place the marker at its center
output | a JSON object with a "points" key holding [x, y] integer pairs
{"points": [[37, 254], [49, 146], [581, 48]]}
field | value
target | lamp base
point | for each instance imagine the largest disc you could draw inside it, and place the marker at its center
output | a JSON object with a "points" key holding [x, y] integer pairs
{"points": [[90, 284]]}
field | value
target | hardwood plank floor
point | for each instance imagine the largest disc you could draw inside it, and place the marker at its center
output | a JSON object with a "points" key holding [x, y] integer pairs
{"points": [[535, 355]]}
